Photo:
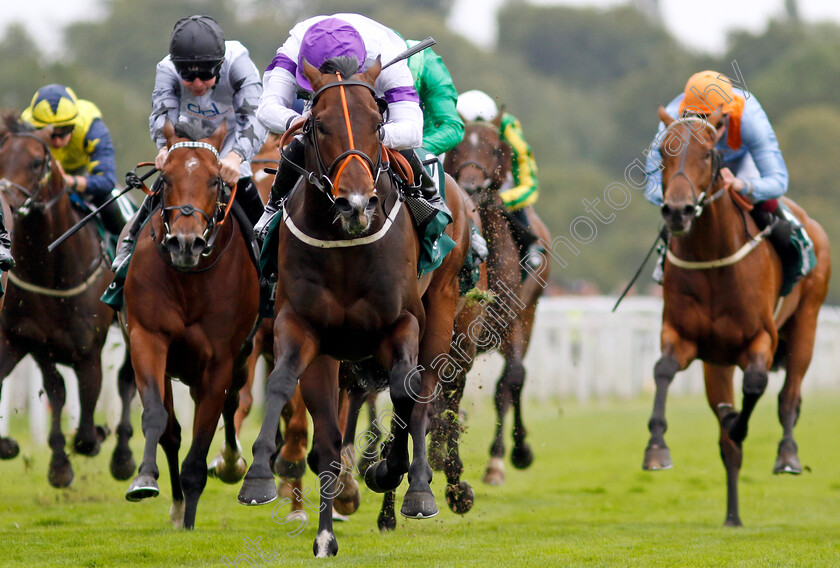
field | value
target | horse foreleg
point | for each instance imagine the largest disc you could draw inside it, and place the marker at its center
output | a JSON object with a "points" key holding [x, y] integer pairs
{"points": [[459, 495], [170, 442], [60, 471], [89, 437], [291, 459], [319, 389], [399, 354], [294, 348], [9, 358], [755, 383], [148, 357], [209, 402], [721, 396], [348, 500], [676, 355], [122, 461], [229, 466]]}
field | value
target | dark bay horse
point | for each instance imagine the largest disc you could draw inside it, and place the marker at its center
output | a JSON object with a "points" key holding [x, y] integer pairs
{"points": [[480, 164], [191, 299], [52, 309], [348, 290], [722, 304]]}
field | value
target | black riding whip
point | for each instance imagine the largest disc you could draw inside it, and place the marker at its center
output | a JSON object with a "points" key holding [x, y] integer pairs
{"points": [[132, 180], [663, 234], [416, 48]]}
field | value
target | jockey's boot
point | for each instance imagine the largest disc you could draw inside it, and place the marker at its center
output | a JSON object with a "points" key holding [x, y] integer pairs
{"points": [[770, 213], [127, 244], [284, 181], [423, 183], [112, 217], [6, 260], [248, 197]]}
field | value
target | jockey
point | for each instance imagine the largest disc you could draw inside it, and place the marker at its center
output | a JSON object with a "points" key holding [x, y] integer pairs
{"points": [[521, 190], [443, 129], [752, 163], [351, 35], [81, 144], [205, 76]]}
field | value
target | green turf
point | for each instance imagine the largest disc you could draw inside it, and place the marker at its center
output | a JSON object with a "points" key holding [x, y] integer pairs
{"points": [[584, 502]]}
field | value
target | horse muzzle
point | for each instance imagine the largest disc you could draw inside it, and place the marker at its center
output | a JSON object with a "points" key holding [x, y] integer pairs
{"points": [[356, 213], [185, 250], [678, 217]]}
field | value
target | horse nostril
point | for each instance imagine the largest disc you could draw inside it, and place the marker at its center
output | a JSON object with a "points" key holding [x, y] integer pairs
{"points": [[343, 206], [198, 245], [173, 245], [688, 211], [373, 203], [666, 210]]}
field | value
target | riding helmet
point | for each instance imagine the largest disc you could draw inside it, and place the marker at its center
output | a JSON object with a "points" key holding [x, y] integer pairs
{"points": [[52, 104], [197, 39], [476, 105]]}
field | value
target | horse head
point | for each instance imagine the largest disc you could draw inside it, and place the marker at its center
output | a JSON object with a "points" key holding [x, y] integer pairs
{"points": [[343, 139], [191, 189], [690, 166], [29, 177], [481, 162]]}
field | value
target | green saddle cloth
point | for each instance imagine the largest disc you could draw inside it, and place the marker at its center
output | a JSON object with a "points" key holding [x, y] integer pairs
{"points": [[804, 260]]}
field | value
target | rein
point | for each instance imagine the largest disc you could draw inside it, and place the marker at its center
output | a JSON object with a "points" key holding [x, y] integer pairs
{"points": [[31, 201], [701, 200], [65, 293]]}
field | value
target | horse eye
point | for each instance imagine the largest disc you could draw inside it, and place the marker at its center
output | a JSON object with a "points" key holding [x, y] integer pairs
{"points": [[319, 126], [38, 164], [708, 155]]}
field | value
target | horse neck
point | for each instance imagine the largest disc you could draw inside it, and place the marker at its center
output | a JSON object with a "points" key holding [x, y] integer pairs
{"points": [[717, 233]]}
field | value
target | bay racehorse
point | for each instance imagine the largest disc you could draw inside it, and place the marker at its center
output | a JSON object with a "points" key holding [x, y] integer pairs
{"points": [[348, 290], [191, 299], [721, 301], [52, 309], [481, 164]]}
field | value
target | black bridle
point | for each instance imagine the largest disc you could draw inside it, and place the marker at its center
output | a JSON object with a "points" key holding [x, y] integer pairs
{"points": [[490, 179], [31, 202], [189, 210], [322, 178]]}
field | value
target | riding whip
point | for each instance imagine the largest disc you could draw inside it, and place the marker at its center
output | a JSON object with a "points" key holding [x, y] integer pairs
{"points": [[663, 234], [416, 48], [132, 180]]}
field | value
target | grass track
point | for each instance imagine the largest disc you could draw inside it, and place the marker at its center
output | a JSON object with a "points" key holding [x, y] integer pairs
{"points": [[584, 502]]}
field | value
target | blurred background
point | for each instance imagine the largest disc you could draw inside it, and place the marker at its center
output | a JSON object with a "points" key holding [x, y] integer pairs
{"points": [[583, 77]]}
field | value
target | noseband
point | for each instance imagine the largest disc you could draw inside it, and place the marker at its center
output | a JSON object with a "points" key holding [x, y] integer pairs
{"points": [[31, 201], [188, 209], [701, 200], [322, 179]]}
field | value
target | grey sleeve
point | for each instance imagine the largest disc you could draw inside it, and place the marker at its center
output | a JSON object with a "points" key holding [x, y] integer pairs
{"points": [[166, 102], [247, 88]]}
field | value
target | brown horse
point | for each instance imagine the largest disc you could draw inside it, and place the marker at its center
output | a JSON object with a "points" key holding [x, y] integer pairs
{"points": [[191, 299], [722, 302], [52, 309], [348, 290], [480, 164]]}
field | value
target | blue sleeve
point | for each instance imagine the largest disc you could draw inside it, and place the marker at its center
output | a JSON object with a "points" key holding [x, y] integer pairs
{"points": [[103, 170], [759, 139]]}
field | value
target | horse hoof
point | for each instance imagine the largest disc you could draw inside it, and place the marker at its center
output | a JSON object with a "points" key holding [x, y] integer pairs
{"points": [[656, 458], [386, 523], [284, 468], [122, 464], [257, 491], [61, 472], [8, 448], [347, 502], [338, 517], [143, 487], [522, 457], [227, 472], [733, 522], [460, 498], [788, 464], [376, 478], [418, 505], [325, 545], [495, 472]]}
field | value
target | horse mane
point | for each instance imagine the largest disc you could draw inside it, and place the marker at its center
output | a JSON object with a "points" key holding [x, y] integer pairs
{"points": [[13, 124], [346, 66], [195, 129]]}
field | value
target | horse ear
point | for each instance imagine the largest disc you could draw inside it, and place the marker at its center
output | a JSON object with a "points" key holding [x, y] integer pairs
{"points": [[218, 136], [43, 134], [666, 118], [312, 74], [373, 72], [498, 120], [169, 132]]}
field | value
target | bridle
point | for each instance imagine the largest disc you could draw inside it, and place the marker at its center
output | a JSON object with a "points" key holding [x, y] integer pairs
{"points": [[189, 210], [490, 181], [702, 199], [323, 177], [31, 202]]}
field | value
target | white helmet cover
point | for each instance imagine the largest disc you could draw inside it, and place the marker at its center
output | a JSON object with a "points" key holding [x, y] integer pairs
{"points": [[476, 105]]}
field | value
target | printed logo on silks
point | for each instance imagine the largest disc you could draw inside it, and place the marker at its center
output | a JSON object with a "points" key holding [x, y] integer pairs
{"points": [[211, 112]]}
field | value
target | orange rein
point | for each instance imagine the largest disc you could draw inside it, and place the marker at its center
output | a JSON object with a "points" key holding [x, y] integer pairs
{"points": [[352, 143]]}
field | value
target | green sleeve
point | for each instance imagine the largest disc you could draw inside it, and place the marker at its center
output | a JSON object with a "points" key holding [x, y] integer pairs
{"points": [[443, 129]]}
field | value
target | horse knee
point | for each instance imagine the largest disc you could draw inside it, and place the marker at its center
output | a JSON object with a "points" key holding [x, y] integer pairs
{"points": [[514, 374], [755, 382], [665, 369]]}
